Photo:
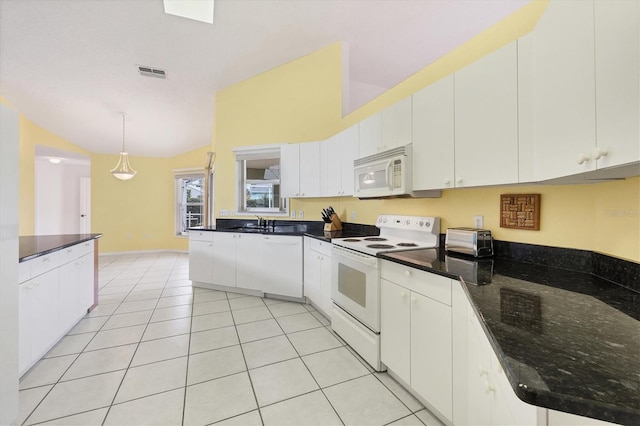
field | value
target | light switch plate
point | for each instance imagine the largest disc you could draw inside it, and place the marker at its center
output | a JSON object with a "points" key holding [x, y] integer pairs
{"points": [[300, 214], [478, 222], [293, 214]]}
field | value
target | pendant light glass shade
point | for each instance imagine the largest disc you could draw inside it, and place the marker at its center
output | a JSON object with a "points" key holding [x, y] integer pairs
{"points": [[123, 169]]}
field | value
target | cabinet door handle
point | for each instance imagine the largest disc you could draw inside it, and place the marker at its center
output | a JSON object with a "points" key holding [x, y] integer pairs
{"points": [[407, 273], [582, 158], [414, 300], [459, 180], [599, 153], [483, 371], [488, 387], [403, 295]]}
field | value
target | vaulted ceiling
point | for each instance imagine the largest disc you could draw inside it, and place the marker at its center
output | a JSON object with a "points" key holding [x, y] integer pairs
{"points": [[72, 66]]}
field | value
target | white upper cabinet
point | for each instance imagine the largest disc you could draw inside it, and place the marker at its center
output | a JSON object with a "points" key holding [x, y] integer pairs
{"points": [[617, 74], [486, 120], [336, 157], [386, 130], [563, 88], [300, 170], [433, 136]]}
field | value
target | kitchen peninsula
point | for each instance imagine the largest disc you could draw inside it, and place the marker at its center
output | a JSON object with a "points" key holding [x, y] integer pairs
{"points": [[58, 276]]}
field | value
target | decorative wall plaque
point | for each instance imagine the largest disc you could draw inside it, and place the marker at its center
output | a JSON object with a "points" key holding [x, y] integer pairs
{"points": [[520, 211]]}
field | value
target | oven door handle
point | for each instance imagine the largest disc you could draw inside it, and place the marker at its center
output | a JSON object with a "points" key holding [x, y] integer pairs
{"points": [[355, 256]]}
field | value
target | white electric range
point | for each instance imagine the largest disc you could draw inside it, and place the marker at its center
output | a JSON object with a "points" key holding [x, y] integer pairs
{"points": [[355, 283]]}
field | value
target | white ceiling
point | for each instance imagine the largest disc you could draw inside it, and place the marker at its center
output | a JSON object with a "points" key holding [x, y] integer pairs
{"points": [[71, 66]]}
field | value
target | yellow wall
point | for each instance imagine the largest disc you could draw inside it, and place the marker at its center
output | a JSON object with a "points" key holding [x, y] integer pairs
{"points": [[301, 101]]}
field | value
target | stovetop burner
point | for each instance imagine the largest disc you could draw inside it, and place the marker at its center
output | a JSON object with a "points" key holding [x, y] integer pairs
{"points": [[375, 239], [351, 240], [380, 246], [407, 245]]}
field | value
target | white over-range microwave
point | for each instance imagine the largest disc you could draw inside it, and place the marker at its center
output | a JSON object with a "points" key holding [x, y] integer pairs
{"points": [[385, 174]]}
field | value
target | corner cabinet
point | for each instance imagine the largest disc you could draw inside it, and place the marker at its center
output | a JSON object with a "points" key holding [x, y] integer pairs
{"points": [[416, 332]]}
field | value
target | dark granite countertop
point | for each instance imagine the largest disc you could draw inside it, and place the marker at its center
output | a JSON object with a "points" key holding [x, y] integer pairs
{"points": [[32, 246], [569, 341], [314, 229]]}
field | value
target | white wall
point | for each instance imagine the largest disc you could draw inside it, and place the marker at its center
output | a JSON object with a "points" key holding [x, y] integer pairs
{"points": [[58, 196], [9, 256]]}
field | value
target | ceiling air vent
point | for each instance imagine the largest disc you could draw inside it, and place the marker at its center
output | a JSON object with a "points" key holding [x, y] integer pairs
{"points": [[152, 72]]}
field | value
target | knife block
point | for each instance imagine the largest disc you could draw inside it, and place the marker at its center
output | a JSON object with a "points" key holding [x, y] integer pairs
{"points": [[335, 225]]}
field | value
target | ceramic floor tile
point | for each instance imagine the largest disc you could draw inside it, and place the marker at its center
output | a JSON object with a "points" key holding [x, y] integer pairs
{"points": [[70, 345], [174, 312], [152, 378], [268, 351], [252, 418], [112, 288], [427, 418], [177, 291], [100, 361], [116, 337], [143, 295], [287, 308], [127, 320], [210, 365], [88, 325], [272, 301], [365, 401], [314, 340], [258, 330], [213, 339], [139, 305], [47, 371], [334, 366], [232, 295], [110, 299], [403, 395], [89, 418], [161, 349], [177, 282], [245, 302], [218, 399], [323, 320], [148, 286], [209, 296], [277, 382], [310, 409], [214, 307], [161, 329], [28, 400], [166, 302], [161, 409], [242, 316], [77, 396], [211, 321], [411, 420], [298, 322]]}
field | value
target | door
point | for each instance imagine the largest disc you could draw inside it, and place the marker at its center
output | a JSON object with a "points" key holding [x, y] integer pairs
{"points": [[395, 327], [224, 258], [85, 205], [279, 251]]}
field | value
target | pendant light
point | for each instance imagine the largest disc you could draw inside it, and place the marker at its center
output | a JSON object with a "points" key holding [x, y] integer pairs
{"points": [[123, 169]]}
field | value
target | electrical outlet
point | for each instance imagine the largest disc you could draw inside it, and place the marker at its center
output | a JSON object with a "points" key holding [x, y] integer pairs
{"points": [[300, 214], [223, 212], [293, 214], [478, 222], [353, 215], [127, 235]]}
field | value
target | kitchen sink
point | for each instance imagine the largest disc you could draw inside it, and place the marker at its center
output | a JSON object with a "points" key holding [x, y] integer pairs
{"points": [[278, 229]]}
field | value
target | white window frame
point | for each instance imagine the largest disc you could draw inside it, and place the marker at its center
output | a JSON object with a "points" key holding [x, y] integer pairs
{"points": [[186, 174], [244, 154]]}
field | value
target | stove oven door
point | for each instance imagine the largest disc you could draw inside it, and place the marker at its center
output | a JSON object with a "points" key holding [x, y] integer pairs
{"points": [[355, 285]]}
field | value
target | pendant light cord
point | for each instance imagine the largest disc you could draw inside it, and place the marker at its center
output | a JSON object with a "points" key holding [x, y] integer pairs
{"points": [[123, 133]]}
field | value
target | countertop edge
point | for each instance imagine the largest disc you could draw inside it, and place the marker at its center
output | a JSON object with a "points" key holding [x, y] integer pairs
{"points": [[544, 399], [85, 237]]}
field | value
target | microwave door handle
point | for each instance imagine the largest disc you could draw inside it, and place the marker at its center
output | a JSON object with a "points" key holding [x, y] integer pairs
{"points": [[390, 174]]}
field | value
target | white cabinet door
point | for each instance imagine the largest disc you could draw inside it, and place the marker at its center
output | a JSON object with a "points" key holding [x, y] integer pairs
{"points": [[563, 88], [26, 325], [433, 136], [280, 251], [311, 272], [348, 153], [324, 302], [224, 258], [617, 73], [250, 250], [396, 125], [309, 169], [395, 331], [337, 155], [44, 295], [69, 293], [201, 261], [431, 356], [486, 120], [370, 135], [478, 367], [86, 287], [290, 170]]}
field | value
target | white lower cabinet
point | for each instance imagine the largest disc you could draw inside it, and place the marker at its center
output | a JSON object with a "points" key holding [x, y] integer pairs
{"points": [[56, 291], [317, 274], [237, 260], [201, 256], [281, 269], [416, 333]]}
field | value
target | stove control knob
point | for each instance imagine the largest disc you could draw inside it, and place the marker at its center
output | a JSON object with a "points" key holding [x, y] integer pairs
{"points": [[407, 222], [421, 223], [384, 220], [428, 224]]}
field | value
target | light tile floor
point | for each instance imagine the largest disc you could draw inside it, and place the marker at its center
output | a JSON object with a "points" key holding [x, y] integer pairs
{"points": [[157, 351]]}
